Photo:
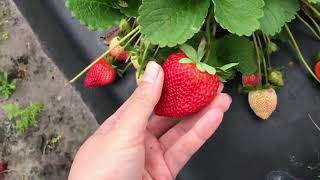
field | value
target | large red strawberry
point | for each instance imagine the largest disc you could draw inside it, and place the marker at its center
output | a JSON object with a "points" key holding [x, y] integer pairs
{"points": [[118, 51], [317, 69], [189, 84], [251, 80], [100, 74]]}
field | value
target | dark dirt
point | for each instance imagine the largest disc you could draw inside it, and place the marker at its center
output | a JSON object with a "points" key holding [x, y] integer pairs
{"points": [[45, 152]]}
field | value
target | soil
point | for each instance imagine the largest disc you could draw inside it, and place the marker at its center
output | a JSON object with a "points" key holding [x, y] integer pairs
{"points": [[31, 155]]}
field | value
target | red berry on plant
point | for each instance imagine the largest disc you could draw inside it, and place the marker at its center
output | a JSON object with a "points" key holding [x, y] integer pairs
{"points": [[317, 69], [100, 74], [117, 51], [3, 166], [251, 80]]}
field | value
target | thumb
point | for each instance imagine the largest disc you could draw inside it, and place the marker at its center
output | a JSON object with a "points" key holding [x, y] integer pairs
{"points": [[140, 105]]}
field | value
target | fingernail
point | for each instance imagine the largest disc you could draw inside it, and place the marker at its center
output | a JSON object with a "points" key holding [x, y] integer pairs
{"points": [[151, 73]]}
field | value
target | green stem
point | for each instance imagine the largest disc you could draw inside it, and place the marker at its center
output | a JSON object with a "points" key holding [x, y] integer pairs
{"points": [[134, 36], [299, 53], [209, 33], [309, 26], [267, 42], [263, 60], [314, 22], [104, 54], [144, 56], [155, 53], [258, 53], [126, 68], [312, 8]]}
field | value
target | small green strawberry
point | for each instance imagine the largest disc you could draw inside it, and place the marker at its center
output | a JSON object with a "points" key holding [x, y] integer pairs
{"points": [[276, 77]]}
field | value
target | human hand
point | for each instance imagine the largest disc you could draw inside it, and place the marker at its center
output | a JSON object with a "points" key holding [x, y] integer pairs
{"points": [[133, 144]]}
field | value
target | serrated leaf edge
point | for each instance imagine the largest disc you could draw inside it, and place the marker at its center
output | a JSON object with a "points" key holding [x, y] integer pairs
{"points": [[83, 23]]}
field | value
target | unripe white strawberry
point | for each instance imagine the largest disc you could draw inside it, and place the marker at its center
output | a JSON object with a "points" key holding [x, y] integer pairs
{"points": [[263, 102]]}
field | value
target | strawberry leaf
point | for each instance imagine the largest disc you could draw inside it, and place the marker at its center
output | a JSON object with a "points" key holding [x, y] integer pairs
{"points": [[239, 16], [185, 61], [211, 70], [235, 49], [228, 66], [171, 22], [277, 14], [132, 8], [314, 1], [96, 15], [200, 67], [189, 51]]}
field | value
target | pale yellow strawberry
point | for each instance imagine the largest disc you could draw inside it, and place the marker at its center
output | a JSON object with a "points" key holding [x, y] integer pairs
{"points": [[263, 102]]}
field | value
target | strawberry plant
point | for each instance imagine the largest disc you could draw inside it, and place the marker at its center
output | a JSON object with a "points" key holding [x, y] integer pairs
{"points": [[25, 118], [7, 86], [236, 37]]}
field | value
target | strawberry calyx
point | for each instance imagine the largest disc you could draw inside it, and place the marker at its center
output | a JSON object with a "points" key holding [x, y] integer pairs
{"points": [[317, 57], [195, 57]]}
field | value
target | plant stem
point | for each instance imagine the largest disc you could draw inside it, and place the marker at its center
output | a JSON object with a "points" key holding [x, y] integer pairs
{"points": [[126, 68], [137, 29], [134, 36], [209, 33], [144, 56], [263, 61], [267, 42], [309, 26], [314, 22], [299, 53], [155, 53], [312, 8], [258, 53]]}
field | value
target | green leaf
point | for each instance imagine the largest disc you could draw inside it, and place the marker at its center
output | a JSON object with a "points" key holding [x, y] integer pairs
{"points": [[239, 16], [7, 87], [314, 1], [95, 14], [185, 61], [172, 22], [132, 9], [277, 14], [200, 67], [283, 36], [189, 51], [226, 75], [12, 110], [201, 49], [235, 49], [211, 70], [228, 66], [25, 118]]}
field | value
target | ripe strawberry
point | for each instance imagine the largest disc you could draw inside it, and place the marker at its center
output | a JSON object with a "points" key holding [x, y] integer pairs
{"points": [[251, 80], [317, 69], [117, 51], [263, 102], [3, 166], [100, 74], [189, 85]]}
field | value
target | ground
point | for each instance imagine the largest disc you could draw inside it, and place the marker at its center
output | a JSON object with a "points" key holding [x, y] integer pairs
{"points": [[39, 81]]}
